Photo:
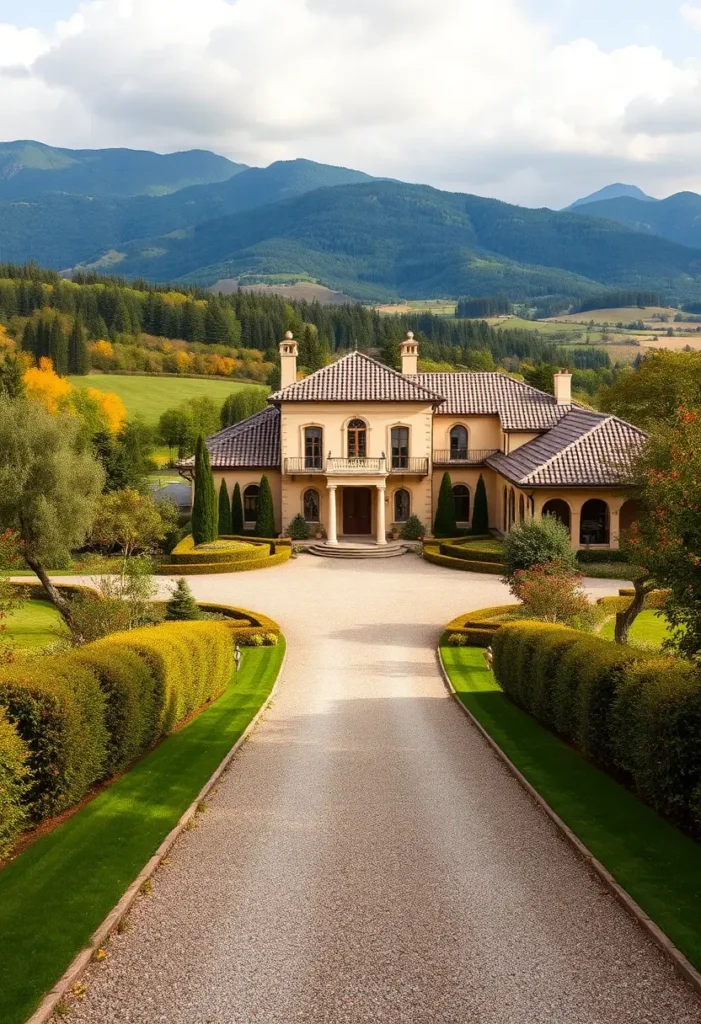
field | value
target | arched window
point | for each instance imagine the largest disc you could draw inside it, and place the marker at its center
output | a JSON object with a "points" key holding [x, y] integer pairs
{"points": [[311, 506], [558, 508], [402, 506], [594, 522], [461, 497], [313, 448], [521, 509], [506, 509], [512, 507], [458, 443], [250, 503], [357, 439], [400, 447]]}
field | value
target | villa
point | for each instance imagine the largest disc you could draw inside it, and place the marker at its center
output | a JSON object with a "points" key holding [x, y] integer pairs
{"points": [[358, 447]]}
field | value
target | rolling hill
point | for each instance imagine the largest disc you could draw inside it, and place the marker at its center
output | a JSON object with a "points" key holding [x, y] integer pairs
{"points": [[677, 218], [29, 169]]}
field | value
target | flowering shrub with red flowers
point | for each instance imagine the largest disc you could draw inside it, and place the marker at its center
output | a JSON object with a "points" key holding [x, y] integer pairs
{"points": [[551, 592]]}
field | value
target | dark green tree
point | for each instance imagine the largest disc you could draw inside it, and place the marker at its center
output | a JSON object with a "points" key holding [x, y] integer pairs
{"points": [[224, 510], [445, 524], [237, 512], [59, 348], [204, 507], [265, 519], [78, 362], [182, 604], [480, 513], [241, 404], [11, 378]]}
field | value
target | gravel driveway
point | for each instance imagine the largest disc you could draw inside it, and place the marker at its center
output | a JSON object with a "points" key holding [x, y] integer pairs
{"points": [[367, 858]]}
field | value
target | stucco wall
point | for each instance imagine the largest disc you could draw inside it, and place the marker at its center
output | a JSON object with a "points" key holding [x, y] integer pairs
{"points": [[244, 477], [482, 431]]}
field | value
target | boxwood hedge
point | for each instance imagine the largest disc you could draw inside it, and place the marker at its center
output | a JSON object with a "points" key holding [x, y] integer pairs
{"points": [[14, 783]]}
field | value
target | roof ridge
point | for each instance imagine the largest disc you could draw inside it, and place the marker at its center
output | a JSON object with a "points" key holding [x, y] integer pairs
{"points": [[568, 447]]}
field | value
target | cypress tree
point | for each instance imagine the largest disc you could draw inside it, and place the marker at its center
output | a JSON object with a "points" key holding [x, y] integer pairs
{"points": [[480, 513], [204, 506], [237, 512], [445, 525], [224, 510], [265, 521], [11, 378], [78, 350], [59, 348]]}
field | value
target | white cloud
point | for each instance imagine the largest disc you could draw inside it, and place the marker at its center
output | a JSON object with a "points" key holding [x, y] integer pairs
{"points": [[458, 93], [692, 16]]}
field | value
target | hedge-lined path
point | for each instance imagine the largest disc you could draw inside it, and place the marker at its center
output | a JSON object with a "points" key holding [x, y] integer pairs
{"points": [[368, 858]]}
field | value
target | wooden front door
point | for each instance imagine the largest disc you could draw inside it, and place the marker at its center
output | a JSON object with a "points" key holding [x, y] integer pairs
{"points": [[357, 510]]}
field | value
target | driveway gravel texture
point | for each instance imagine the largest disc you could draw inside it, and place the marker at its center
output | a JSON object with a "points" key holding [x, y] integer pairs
{"points": [[367, 857]]}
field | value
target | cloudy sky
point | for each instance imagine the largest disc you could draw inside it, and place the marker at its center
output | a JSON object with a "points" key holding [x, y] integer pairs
{"points": [[532, 101]]}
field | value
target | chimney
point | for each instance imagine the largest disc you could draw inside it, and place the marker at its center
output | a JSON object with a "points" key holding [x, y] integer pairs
{"points": [[563, 388], [409, 349], [288, 360]]}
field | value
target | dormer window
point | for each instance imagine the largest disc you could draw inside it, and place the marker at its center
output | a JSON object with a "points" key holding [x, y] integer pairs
{"points": [[357, 440]]}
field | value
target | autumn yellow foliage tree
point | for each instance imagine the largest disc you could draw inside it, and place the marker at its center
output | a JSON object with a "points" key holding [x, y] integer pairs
{"points": [[44, 385], [100, 409]]}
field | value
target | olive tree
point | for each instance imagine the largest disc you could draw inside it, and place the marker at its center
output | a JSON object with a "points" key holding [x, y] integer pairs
{"points": [[49, 486]]}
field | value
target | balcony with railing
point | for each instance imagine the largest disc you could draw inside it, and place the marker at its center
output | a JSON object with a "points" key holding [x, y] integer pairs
{"points": [[358, 465], [462, 456], [408, 465], [307, 464]]}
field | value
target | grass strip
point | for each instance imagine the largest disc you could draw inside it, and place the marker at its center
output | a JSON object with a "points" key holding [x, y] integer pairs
{"points": [[34, 625], [656, 864], [54, 896]]}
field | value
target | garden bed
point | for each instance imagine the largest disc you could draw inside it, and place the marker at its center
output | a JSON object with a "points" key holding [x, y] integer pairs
{"points": [[228, 554]]}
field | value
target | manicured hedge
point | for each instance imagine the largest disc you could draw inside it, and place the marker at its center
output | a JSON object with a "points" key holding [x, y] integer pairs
{"points": [[433, 555], [236, 551], [585, 557], [470, 553], [59, 711], [629, 712], [214, 568], [14, 783]]}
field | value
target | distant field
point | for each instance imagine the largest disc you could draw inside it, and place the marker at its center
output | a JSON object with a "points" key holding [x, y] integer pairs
{"points": [[308, 290], [151, 396], [440, 307], [626, 314]]}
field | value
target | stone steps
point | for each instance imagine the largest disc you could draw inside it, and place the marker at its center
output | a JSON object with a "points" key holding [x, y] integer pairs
{"points": [[322, 550]]}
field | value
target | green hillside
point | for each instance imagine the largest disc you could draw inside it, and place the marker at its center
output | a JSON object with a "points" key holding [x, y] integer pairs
{"points": [[30, 169], [677, 218]]}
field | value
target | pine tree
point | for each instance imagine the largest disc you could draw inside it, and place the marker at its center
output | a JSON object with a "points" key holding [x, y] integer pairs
{"points": [[237, 512], [11, 378], [480, 513], [224, 510], [265, 519], [182, 604], [78, 363], [204, 506], [59, 348], [445, 525]]}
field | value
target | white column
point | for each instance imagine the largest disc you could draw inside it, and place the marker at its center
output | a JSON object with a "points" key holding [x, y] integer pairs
{"points": [[381, 529], [332, 531]]}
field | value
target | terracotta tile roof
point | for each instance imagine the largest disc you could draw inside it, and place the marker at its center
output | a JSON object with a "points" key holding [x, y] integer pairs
{"points": [[584, 449], [357, 378], [254, 443], [518, 405]]}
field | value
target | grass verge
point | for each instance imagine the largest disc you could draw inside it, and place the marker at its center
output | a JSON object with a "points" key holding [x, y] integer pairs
{"points": [[649, 630], [56, 893], [656, 864], [34, 625]]}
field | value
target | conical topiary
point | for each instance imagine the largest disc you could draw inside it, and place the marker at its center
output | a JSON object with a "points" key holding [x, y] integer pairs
{"points": [[265, 521], [182, 604], [204, 506], [237, 512], [480, 513], [445, 524], [224, 510], [298, 528]]}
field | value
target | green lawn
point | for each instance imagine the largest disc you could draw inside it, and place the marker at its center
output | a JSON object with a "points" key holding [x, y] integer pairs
{"points": [[658, 865], [57, 892], [649, 630], [150, 396], [33, 625]]}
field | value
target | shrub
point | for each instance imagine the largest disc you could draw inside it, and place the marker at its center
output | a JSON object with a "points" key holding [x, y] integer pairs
{"points": [[237, 511], [298, 528], [94, 617], [182, 605], [265, 516], [480, 512], [445, 524], [224, 525], [586, 557], [457, 640], [656, 730], [536, 542], [413, 529], [192, 662], [551, 592], [471, 552], [204, 506], [58, 709], [14, 783], [131, 709]]}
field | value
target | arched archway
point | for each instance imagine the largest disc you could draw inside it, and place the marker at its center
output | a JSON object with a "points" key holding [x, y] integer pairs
{"points": [[594, 524], [461, 497], [560, 509], [250, 504], [629, 514]]}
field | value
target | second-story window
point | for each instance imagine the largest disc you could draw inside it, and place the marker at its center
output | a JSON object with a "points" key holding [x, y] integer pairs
{"points": [[357, 440], [313, 452], [458, 443], [400, 447]]}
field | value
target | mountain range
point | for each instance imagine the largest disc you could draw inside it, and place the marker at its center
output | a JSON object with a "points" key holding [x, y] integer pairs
{"points": [[140, 214], [617, 191]]}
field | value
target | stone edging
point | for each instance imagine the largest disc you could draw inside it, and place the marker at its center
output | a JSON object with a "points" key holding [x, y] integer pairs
{"points": [[682, 966], [47, 1007]]}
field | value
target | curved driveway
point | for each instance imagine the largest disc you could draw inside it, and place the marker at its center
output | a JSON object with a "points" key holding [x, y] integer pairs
{"points": [[367, 858]]}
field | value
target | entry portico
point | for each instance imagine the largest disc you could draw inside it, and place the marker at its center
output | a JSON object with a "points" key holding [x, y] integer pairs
{"points": [[356, 514]]}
